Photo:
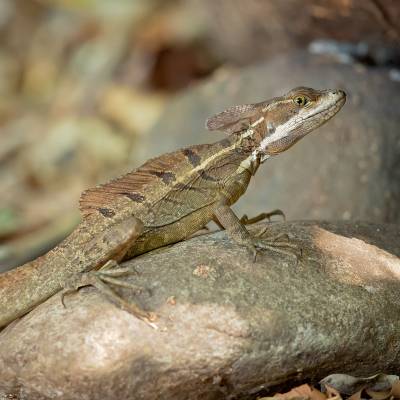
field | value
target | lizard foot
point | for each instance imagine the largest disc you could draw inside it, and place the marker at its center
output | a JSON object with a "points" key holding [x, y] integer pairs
{"points": [[101, 280], [278, 244], [260, 217]]}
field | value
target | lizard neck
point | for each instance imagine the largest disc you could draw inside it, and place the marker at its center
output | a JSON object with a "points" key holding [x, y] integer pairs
{"points": [[241, 149], [232, 155]]}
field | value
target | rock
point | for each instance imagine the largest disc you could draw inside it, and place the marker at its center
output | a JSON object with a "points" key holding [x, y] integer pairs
{"points": [[348, 169], [250, 31], [228, 327]]}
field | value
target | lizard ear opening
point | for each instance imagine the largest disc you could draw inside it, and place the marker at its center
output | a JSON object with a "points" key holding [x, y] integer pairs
{"points": [[233, 119]]}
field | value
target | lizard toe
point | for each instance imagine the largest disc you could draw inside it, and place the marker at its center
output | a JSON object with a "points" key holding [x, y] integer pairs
{"points": [[278, 247]]}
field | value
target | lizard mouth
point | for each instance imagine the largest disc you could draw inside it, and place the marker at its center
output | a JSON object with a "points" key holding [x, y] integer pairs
{"points": [[332, 109]]}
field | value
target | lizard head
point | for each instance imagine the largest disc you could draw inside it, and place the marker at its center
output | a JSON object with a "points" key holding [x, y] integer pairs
{"points": [[288, 118]]}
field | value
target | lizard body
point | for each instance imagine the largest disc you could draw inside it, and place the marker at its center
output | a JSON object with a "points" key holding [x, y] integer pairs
{"points": [[172, 196]]}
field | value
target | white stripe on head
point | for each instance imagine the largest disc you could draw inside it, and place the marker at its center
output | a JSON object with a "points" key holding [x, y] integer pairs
{"points": [[250, 130], [274, 133], [279, 133], [246, 163], [275, 103], [225, 150], [282, 130]]}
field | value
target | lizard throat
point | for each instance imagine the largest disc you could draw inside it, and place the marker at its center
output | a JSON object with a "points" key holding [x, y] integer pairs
{"points": [[236, 144]]}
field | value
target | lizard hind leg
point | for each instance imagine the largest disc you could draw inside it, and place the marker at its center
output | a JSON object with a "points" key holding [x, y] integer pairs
{"points": [[101, 279]]}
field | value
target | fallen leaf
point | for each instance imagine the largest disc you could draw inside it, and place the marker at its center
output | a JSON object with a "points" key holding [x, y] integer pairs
{"points": [[396, 389], [349, 385], [393, 392], [332, 393], [301, 392]]}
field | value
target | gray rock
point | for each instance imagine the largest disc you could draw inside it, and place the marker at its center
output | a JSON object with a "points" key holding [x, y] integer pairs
{"points": [[228, 327], [348, 169]]}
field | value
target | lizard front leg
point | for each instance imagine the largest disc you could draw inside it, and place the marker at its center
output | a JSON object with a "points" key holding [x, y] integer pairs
{"points": [[238, 232], [245, 220]]}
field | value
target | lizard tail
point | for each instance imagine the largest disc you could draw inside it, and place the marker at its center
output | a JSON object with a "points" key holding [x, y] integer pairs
{"points": [[88, 247], [28, 285]]}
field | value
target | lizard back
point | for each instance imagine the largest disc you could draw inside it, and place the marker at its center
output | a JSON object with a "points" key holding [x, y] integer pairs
{"points": [[167, 188], [174, 195]]}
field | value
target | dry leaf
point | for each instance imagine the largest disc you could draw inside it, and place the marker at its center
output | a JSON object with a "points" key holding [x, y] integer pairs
{"points": [[332, 393], [347, 384], [396, 389], [378, 395], [393, 392], [301, 392]]}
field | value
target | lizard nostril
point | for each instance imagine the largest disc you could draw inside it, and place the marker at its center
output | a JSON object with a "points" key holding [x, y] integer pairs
{"points": [[342, 93], [338, 92]]}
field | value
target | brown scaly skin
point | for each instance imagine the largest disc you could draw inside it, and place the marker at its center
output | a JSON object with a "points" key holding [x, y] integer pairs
{"points": [[168, 199]]}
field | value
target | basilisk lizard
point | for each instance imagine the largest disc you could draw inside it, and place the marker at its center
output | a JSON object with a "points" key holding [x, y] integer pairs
{"points": [[168, 199]]}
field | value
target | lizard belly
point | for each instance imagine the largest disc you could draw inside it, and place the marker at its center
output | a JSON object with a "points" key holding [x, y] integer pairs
{"points": [[177, 231], [183, 227]]}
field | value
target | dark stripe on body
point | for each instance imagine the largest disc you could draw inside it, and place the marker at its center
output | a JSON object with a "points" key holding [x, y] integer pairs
{"points": [[137, 197], [106, 212], [185, 186], [207, 177], [167, 177], [193, 158], [172, 201], [225, 142]]}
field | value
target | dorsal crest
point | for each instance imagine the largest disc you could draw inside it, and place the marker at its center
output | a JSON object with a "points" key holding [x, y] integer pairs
{"points": [[234, 119], [133, 185]]}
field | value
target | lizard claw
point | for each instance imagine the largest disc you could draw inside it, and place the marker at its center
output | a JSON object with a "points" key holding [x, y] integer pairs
{"points": [[253, 251], [62, 298], [73, 285], [277, 246], [101, 280]]}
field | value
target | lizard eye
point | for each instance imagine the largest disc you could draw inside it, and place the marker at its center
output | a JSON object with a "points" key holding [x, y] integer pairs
{"points": [[300, 100]]}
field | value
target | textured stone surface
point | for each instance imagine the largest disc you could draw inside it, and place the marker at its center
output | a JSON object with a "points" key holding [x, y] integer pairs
{"points": [[348, 169], [227, 326]]}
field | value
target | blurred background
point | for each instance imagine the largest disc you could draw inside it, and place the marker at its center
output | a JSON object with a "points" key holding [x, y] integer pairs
{"points": [[89, 89]]}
